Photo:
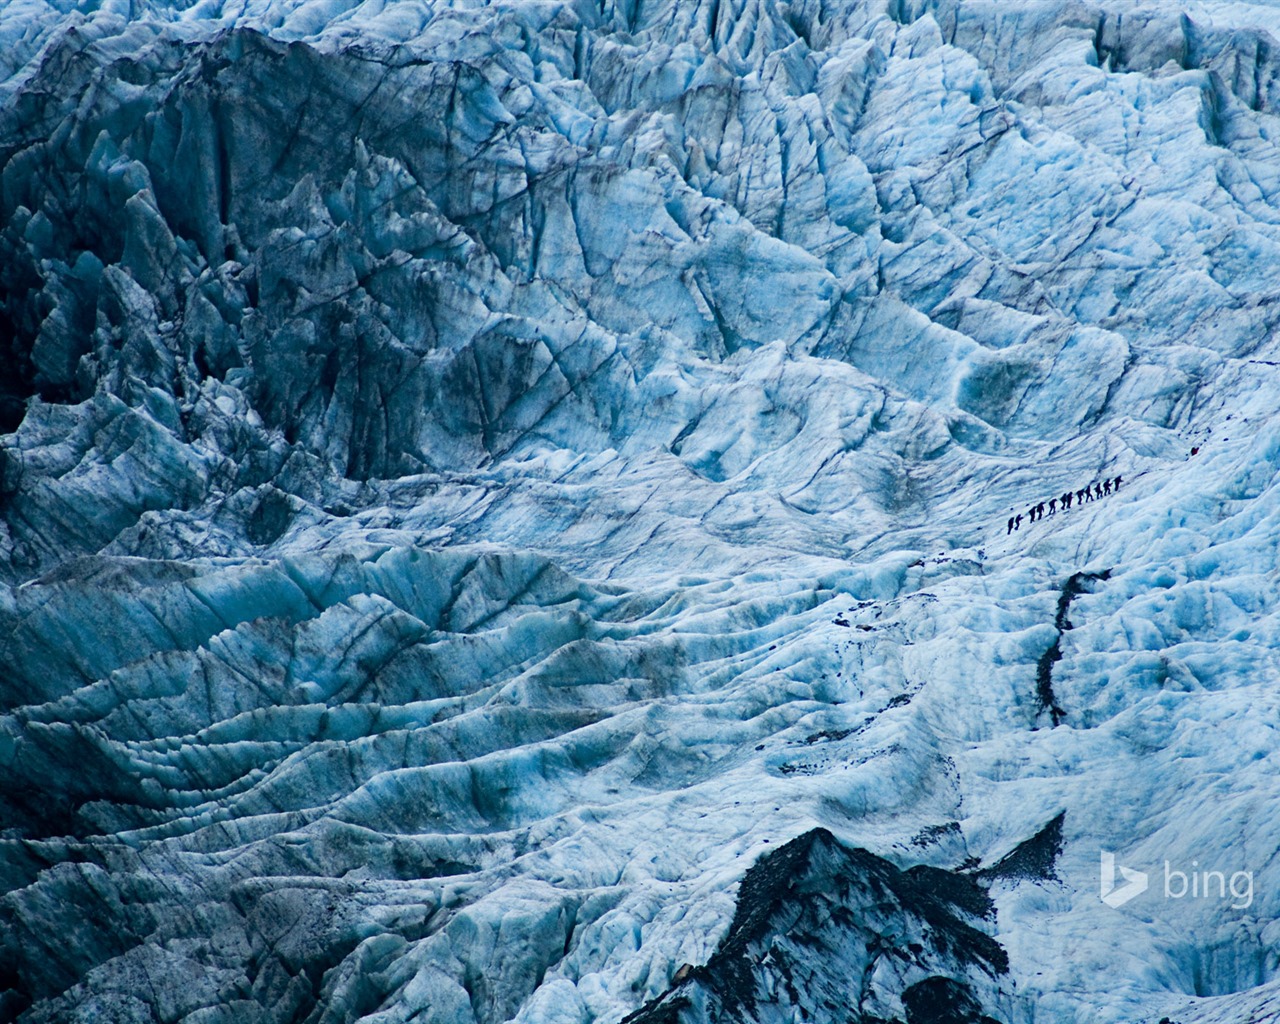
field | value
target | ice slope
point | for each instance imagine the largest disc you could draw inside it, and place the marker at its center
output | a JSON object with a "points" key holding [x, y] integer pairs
{"points": [[504, 510]]}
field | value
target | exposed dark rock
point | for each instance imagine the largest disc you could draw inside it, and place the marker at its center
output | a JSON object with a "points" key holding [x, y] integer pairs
{"points": [[1072, 588], [820, 928], [1033, 858]]}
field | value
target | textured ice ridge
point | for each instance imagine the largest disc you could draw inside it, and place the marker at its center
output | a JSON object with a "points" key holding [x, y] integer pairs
{"points": [[503, 510]]}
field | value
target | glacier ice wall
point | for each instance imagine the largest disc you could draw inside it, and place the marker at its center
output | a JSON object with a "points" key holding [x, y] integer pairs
{"points": [[503, 510]]}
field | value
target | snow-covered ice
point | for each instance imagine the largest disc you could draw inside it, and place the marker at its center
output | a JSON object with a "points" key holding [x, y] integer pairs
{"points": [[503, 510]]}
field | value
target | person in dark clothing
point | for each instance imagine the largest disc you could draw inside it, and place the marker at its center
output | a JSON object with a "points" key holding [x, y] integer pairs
{"points": [[1017, 521], [1106, 486], [1066, 499], [1040, 510], [1010, 530], [1097, 490], [1031, 514], [1053, 505], [1118, 483], [1080, 496]]}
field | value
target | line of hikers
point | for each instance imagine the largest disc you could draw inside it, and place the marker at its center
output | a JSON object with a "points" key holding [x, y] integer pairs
{"points": [[1090, 492]]}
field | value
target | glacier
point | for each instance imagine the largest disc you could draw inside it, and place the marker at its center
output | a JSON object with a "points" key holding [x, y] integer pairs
{"points": [[504, 511]]}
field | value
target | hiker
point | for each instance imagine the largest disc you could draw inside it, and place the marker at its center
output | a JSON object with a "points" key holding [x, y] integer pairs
{"points": [[1053, 505], [1017, 521], [1040, 510], [1196, 450], [1031, 514], [1066, 499], [1097, 490], [1080, 496], [1106, 486], [1010, 530], [1117, 483]]}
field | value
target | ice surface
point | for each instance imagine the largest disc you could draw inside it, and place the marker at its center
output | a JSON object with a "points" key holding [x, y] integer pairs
{"points": [[477, 478]]}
